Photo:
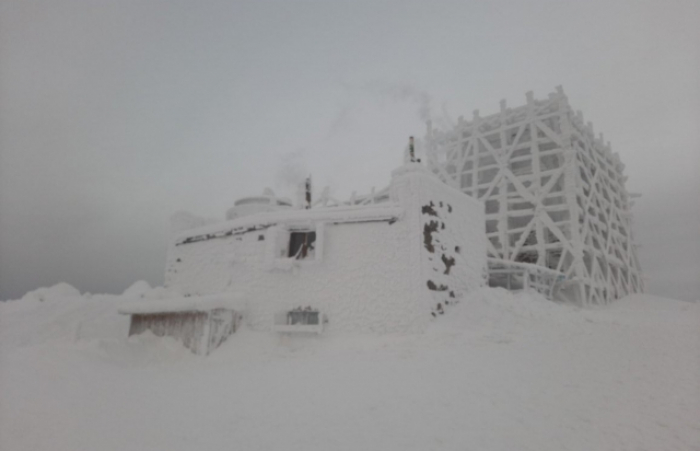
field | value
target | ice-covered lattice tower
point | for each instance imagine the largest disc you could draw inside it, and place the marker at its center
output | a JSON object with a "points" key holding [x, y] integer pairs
{"points": [[554, 195]]}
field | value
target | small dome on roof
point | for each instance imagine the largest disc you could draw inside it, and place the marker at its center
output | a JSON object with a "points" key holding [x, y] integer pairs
{"points": [[246, 206]]}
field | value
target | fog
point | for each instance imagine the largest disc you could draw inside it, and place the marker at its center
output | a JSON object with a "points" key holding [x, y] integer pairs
{"points": [[114, 115]]}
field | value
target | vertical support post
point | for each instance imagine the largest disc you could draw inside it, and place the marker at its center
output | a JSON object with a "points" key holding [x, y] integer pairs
{"points": [[526, 282], [503, 186], [571, 190], [475, 144], [537, 182]]}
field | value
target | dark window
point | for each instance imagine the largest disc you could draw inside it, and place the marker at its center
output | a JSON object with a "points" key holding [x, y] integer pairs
{"points": [[303, 317], [301, 244]]}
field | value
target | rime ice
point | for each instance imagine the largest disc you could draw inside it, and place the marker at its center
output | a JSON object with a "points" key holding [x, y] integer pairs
{"points": [[386, 266], [554, 193]]}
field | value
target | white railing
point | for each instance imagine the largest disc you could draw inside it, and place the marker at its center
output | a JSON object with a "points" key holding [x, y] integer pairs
{"points": [[517, 276]]}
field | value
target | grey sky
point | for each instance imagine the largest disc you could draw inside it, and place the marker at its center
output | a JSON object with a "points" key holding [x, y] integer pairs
{"points": [[114, 115]]}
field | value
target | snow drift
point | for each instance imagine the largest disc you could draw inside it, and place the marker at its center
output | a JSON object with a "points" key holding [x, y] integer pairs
{"points": [[497, 372]]}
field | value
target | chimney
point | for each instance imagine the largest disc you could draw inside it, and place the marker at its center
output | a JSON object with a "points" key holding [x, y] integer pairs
{"points": [[307, 190]]}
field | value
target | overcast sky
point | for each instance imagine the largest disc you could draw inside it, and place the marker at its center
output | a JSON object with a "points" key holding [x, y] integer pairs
{"points": [[116, 114]]}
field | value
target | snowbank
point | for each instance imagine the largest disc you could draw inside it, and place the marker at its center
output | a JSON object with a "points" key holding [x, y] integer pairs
{"points": [[59, 290], [137, 290], [61, 319], [234, 301], [496, 372]]}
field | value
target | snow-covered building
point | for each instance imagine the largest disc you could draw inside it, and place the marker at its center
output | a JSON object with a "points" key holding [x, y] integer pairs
{"points": [[549, 194], [385, 266], [554, 195]]}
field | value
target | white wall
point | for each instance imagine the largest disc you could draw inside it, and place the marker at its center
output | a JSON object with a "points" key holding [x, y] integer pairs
{"points": [[454, 226], [367, 276], [362, 282]]}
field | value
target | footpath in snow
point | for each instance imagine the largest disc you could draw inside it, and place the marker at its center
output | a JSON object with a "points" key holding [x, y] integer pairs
{"points": [[497, 372]]}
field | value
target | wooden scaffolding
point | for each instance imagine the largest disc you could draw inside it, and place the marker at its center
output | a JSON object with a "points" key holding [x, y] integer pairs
{"points": [[554, 194]]}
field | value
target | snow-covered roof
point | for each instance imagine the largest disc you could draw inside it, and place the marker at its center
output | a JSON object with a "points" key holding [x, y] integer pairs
{"points": [[259, 221], [184, 304]]}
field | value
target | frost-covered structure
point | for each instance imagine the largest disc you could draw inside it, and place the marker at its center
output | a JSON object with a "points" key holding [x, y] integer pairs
{"points": [[201, 324], [554, 195], [359, 266]]}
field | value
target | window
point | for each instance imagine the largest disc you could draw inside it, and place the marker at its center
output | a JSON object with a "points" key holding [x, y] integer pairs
{"points": [[296, 245], [299, 320], [302, 244], [305, 316]]}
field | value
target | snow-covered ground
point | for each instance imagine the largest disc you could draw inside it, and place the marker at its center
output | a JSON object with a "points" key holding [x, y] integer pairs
{"points": [[497, 372]]}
